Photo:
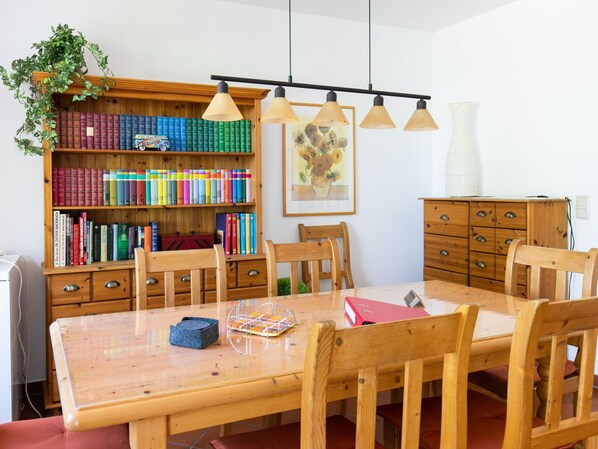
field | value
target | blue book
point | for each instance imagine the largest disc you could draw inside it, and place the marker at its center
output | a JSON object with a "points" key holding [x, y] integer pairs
{"points": [[120, 187], [141, 125], [122, 133], [172, 133], [253, 228], [134, 126], [184, 144], [242, 226], [154, 226], [128, 132], [148, 124], [160, 126], [154, 124]]}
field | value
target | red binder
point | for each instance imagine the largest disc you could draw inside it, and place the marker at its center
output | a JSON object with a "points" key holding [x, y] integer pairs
{"points": [[368, 311]]}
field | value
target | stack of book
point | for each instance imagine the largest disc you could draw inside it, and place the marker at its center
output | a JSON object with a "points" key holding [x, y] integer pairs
{"points": [[237, 232], [79, 241], [91, 130], [151, 187]]}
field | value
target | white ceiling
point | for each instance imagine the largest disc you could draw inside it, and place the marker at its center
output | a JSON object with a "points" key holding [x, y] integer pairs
{"points": [[424, 15]]}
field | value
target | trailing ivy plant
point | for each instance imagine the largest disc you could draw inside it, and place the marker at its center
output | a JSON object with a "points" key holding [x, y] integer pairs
{"points": [[63, 57]]}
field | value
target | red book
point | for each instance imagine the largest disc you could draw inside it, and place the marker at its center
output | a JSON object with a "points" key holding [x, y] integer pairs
{"points": [[54, 186], [90, 130], [96, 130], [116, 126], [234, 234], [68, 186], [99, 175], [368, 311], [80, 187], [61, 187], [76, 242], [103, 131], [87, 187], [83, 130], [109, 132], [76, 130], [69, 130], [227, 234]]}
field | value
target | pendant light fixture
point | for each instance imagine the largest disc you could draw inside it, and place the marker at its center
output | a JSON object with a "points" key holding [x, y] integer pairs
{"points": [[279, 110], [331, 114], [378, 117], [222, 108], [421, 120]]}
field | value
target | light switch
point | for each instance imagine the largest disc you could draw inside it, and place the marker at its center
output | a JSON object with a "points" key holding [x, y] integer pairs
{"points": [[582, 206]]}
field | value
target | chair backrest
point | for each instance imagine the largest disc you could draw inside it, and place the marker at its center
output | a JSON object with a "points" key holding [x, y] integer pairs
{"points": [[317, 233], [194, 261], [544, 324], [367, 351], [549, 268], [294, 253]]}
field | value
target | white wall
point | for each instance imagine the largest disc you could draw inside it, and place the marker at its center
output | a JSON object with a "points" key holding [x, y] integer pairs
{"points": [[188, 40], [531, 71]]}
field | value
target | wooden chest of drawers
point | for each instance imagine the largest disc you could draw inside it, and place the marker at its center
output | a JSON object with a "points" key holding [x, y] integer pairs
{"points": [[90, 290], [466, 240]]}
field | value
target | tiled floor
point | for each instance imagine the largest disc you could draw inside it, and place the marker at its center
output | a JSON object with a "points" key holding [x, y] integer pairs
{"points": [[200, 439]]}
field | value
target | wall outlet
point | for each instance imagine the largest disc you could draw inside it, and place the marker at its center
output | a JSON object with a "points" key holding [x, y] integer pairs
{"points": [[582, 206]]}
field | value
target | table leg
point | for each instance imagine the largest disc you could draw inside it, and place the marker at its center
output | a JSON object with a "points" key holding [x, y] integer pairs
{"points": [[148, 433]]}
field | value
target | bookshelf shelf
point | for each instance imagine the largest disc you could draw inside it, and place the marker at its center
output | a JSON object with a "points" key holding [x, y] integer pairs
{"points": [[82, 289]]}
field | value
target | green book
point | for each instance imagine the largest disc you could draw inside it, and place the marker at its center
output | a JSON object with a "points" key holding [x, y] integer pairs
{"points": [[123, 241], [247, 124]]}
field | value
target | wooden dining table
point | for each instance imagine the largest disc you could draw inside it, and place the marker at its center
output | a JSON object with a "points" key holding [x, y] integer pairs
{"points": [[121, 368]]}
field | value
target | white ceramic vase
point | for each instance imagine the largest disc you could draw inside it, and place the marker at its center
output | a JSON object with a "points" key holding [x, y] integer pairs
{"points": [[461, 171]]}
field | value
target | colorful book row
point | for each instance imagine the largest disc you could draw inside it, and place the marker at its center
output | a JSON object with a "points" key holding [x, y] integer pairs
{"points": [[150, 187], [79, 241], [237, 232], [90, 130]]}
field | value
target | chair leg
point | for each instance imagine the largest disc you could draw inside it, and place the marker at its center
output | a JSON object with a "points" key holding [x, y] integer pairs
{"points": [[226, 429], [390, 435]]}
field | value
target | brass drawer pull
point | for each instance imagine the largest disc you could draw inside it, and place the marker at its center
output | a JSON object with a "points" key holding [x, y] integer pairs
{"points": [[481, 213], [151, 281], [71, 288], [444, 217], [510, 215], [508, 241], [253, 272], [480, 264], [186, 278], [112, 284], [481, 238], [444, 252]]}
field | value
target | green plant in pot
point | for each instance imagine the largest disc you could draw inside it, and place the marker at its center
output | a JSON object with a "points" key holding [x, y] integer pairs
{"points": [[63, 57], [284, 287]]}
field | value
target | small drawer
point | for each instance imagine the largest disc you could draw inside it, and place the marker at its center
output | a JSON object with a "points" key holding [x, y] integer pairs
{"points": [[252, 273], [69, 288], [511, 215], [431, 274], [482, 239], [89, 308], [504, 237], [154, 284], [482, 214], [482, 265], [446, 253], [231, 277], [446, 218], [501, 265], [109, 285]]}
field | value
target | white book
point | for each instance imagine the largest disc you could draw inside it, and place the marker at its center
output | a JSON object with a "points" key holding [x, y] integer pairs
{"points": [[56, 236], [62, 240]]}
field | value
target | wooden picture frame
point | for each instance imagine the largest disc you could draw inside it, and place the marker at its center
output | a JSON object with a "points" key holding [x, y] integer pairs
{"points": [[318, 165]]}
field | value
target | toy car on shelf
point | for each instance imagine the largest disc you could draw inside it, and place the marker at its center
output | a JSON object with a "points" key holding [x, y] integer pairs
{"points": [[143, 141]]}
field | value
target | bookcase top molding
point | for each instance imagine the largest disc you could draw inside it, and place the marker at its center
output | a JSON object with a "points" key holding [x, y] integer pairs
{"points": [[159, 90]]}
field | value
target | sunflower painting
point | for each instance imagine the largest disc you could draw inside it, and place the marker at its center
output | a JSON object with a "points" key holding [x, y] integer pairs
{"points": [[319, 175]]}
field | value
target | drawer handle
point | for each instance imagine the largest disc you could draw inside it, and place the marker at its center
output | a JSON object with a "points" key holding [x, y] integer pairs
{"points": [[444, 252], [186, 278], [508, 241], [481, 238], [112, 284], [253, 272], [481, 213], [510, 214], [151, 281], [71, 288], [480, 264], [444, 217]]}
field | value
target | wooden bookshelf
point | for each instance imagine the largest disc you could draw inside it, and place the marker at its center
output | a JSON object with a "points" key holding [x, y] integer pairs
{"points": [[90, 289]]}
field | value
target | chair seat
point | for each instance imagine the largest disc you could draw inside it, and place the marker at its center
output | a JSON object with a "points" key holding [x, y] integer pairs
{"points": [[340, 434], [486, 419], [496, 379], [50, 433]]}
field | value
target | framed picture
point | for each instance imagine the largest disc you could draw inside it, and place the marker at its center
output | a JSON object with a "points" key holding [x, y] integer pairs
{"points": [[318, 165]]}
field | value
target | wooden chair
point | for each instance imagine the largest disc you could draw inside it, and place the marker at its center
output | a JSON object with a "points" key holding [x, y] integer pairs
{"points": [[194, 261], [548, 271], [50, 433], [368, 354], [311, 253], [339, 232]]}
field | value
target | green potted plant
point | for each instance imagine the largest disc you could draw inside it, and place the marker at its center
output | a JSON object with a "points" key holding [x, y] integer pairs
{"points": [[284, 287], [63, 57]]}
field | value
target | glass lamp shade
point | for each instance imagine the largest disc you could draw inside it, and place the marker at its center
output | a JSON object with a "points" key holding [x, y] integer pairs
{"points": [[378, 117], [222, 108], [421, 120], [331, 113], [279, 110]]}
